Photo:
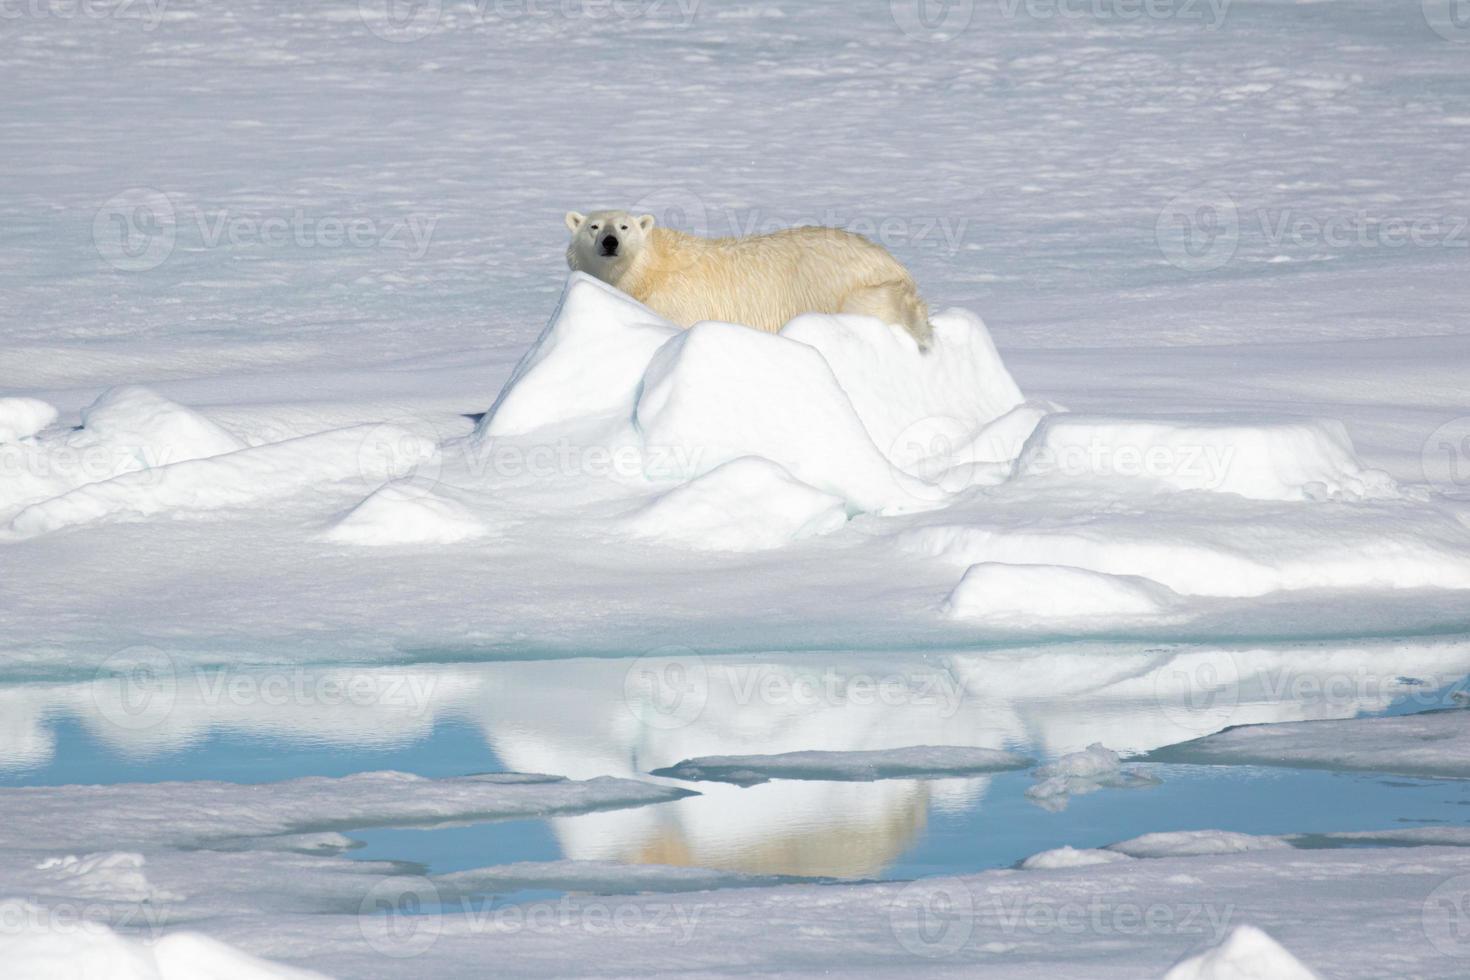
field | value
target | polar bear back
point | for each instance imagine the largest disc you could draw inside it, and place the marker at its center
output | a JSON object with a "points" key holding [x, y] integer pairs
{"points": [[762, 281]]}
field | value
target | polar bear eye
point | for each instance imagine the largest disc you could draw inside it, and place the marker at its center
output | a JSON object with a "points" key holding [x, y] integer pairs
{"points": [[622, 227], [595, 227]]}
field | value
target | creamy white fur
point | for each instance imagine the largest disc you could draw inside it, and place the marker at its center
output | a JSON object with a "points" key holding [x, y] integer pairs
{"points": [[763, 281]]}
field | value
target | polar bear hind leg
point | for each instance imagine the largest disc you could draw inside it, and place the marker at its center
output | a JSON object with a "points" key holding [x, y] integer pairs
{"points": [[893, 302]]}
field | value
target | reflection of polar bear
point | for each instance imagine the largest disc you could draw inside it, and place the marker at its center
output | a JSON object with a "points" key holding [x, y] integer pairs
{"points": [[763, 281]]}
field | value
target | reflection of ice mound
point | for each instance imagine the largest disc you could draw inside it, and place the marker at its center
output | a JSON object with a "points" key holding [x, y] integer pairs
{"points": [[1246, 954], [748, 504], [844, 403], [1080, 773], [588, 362], [1071, 857], [21, 418], [1271, 460], [997, 591], [406, 514]]}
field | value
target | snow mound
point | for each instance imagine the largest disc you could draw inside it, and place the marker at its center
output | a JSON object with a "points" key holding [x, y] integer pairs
{"points": [[720, 391], [21, 418], [1196, 843], [1246, 954], [994, 590], [1233, 549], [587, 363], [846, 404], [115, 876], [1273, 459], [404, 513], [1079, 773], [1070, 857], [748, 504], [249, 476], [918, 761], [33, 950], [1435, 743], [905, 400], [133, 416], [1093, 761], [126, 430]]}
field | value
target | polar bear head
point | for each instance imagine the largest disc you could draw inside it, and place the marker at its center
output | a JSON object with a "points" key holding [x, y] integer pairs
{"points": [[606, 244]]}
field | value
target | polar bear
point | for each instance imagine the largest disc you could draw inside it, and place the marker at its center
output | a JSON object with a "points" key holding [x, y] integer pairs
{"points": [[762, 281]]}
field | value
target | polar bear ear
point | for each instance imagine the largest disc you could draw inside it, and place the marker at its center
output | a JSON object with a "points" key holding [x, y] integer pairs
{"points": [[646, 222], [574, 220]]}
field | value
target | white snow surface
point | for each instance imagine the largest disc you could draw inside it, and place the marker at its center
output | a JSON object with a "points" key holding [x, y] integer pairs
{"points": [[1033, 167], [1435, 743], [197, 813], [747, 504]]}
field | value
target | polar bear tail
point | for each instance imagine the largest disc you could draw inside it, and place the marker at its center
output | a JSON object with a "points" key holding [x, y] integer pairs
{"points": [[896, 301]]}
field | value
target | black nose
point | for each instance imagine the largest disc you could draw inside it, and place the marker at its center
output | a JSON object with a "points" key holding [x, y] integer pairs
{"points": [[610, 244]]}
